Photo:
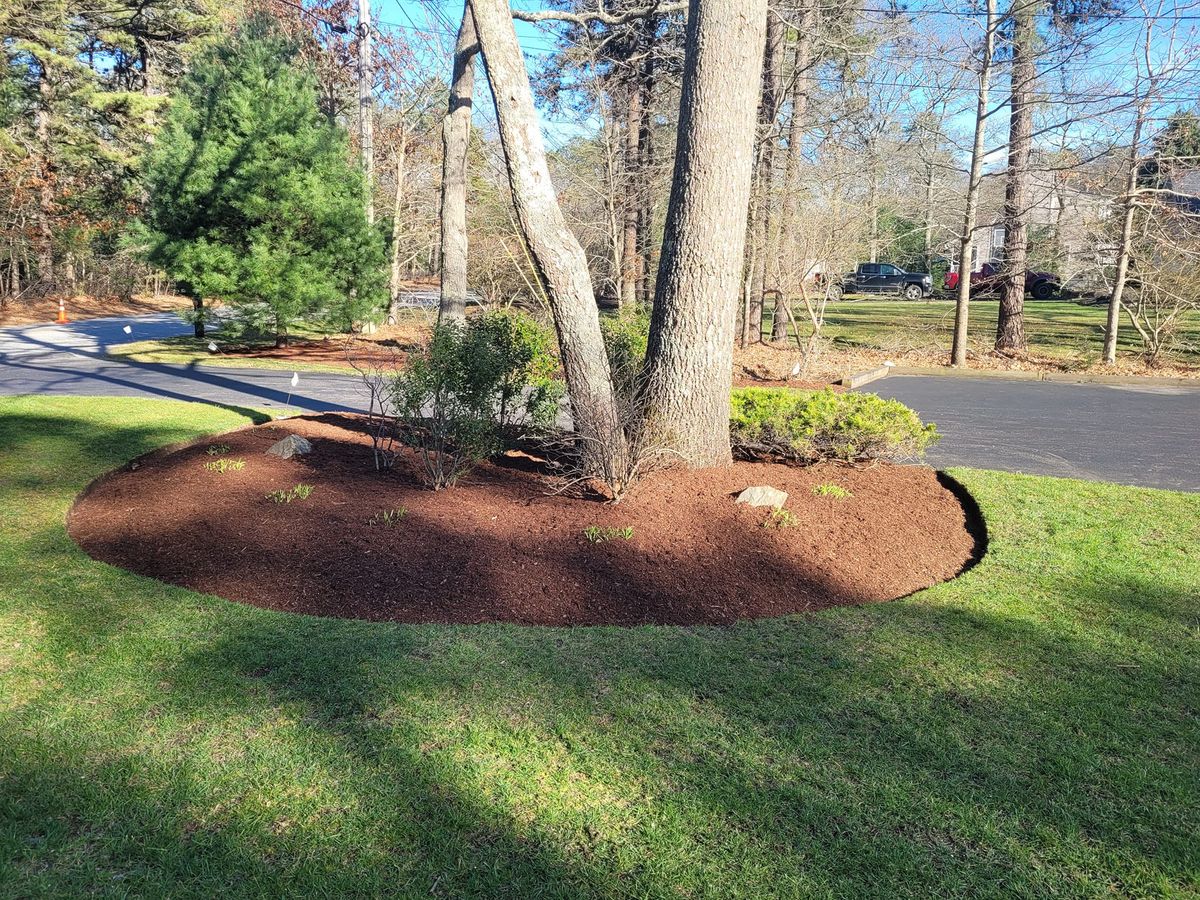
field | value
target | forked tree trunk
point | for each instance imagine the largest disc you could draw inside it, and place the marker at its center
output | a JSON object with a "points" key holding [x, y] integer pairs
{"points": [[456, 134], [690, 354], [559, 258], [1010, 327], [958, 351]]}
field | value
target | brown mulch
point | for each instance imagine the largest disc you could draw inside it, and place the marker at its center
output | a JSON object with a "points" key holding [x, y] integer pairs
{"points": [[500, 547], [37, 310]]}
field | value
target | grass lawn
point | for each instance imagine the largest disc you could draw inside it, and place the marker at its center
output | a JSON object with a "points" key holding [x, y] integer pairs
{"points": [[1054, 328], [1028, 730]]}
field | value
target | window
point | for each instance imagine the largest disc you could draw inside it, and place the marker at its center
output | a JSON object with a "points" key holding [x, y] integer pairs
{"points": [[870, 269], [888, 270]]}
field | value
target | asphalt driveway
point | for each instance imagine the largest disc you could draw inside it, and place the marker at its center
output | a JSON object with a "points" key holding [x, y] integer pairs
{"points": [[1133, 435]]}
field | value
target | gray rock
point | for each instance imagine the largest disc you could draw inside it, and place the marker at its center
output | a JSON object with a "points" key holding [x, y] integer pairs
{"points": [[763, 495], [292, 445]]}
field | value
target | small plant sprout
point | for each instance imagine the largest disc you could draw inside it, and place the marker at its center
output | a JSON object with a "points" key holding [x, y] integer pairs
{"points": [[388, 518], [598, 535], [780, 518], [299, 492], [832, 490], [221, 466], [217, 449]]}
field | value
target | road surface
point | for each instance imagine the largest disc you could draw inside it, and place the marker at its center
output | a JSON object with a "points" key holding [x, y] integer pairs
{"points": [[1132, 435]]}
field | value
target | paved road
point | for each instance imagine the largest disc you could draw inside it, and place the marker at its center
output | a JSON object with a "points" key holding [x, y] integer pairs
{"points": [[1132, 435]]}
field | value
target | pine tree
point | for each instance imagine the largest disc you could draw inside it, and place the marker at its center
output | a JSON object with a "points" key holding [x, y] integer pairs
{"points": [[253, 198]]}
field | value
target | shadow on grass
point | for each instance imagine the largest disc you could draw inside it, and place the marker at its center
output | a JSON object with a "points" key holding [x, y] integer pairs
{"points": [[968, 741]]}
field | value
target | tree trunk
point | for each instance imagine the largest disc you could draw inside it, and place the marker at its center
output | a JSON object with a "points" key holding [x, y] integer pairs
{"points": [[802, 60], [690, 355], [198, 312], [559, 258], [761, 218], [633, 188], [456, 134], [1010, 327], [366, 124], [958, 352], [397, 220], [45, 207], [645, 196]]}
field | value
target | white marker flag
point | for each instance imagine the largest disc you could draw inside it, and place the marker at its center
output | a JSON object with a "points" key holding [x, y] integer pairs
{"points": [[212, 347], [295, 378], [127, 330]]}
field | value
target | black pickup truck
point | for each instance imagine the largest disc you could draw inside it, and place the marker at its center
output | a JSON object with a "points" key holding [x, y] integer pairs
{"points": [[883, 278]]}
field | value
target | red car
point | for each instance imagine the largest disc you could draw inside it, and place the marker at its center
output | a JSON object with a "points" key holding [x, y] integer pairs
{"points": [[1039, 285]]}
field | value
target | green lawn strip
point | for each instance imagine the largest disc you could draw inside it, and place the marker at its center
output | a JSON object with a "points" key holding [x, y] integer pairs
{"points": [[1029, 729], [185, 350], [1054, 328]]}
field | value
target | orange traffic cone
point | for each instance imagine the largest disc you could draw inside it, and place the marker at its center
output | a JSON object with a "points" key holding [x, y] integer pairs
{"points": [[62, 313]]}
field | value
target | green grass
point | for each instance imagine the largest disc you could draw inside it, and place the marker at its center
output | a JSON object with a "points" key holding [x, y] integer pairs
{"points": [[1028, 730], [1053, 328]]}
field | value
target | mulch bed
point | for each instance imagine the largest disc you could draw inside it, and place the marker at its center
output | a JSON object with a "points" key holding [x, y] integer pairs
{"points": [[501, 547]]}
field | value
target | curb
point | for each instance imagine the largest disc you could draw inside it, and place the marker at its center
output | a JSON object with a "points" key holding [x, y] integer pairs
{"points": [[854, 381], [1056, 377]]}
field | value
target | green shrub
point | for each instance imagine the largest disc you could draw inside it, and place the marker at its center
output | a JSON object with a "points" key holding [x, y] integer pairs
{"points": [[472, 382], [625, 340], [598, 535], [299, 492], [388, 518], [221, 466], [816, 425], [780, 518], [832, 490]]}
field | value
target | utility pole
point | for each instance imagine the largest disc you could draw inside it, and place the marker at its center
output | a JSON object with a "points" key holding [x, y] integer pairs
{"points": [[366, 125]]}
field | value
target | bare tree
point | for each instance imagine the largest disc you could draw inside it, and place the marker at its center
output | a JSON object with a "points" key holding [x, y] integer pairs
{"points": [[366, 112], [559, 258], [958, 352]]}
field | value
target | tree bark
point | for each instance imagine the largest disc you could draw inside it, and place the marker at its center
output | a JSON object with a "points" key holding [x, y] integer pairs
{"points": [[633, 188], [761, 218], [1010, 327], [690, 354], [802, 60], [45, 207], [198, 313], [366, 124], [958, 351], [399, 158], [456, 134], [645, 197], [559, 258]]}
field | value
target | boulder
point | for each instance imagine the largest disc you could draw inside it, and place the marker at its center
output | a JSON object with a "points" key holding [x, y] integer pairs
{"points": [[292, 445], [763, 495]]}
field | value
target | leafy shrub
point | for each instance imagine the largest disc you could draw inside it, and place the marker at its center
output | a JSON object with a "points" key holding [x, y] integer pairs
{"points": [[598, 535], [217, 449], [816, 425], [470, 384], [625, 340]]}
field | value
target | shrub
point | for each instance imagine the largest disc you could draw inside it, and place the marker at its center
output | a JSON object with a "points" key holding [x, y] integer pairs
{"points": [[832, 490], [815, 425], [221, 466], [470, 384], [388, 517], [625, 341], [780, 518]]}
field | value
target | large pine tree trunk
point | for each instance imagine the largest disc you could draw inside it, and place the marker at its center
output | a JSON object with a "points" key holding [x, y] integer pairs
{"points": [[690, 354], [456, 134], [366, 121], [398, 164], [559, 258], [1010, 327], [645, 197]]}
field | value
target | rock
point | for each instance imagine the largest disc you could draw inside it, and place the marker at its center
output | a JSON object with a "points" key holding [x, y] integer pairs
{"points": [[294, 445], [763, 495]]}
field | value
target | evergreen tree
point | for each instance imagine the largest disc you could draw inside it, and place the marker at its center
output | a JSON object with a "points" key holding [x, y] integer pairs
{"points": [[253, 198]]}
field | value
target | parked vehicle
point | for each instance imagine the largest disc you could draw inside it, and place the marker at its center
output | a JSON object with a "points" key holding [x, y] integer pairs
{"points": [[1039, 285], [883, 278]]}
